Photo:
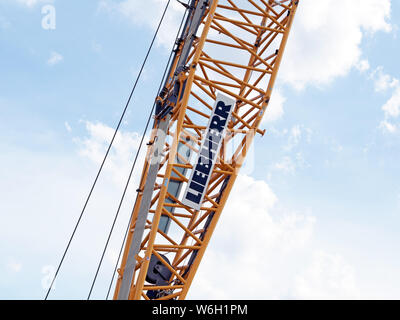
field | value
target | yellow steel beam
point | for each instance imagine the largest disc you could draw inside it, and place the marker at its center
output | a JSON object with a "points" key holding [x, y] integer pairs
{"points": [[238, 53]]}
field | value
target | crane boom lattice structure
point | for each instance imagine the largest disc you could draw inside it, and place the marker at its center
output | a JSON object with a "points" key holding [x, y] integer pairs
{"points": [[207, 114]]}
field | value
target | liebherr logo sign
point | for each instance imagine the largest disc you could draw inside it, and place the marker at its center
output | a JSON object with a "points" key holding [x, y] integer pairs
{"points": [[203, 167]]}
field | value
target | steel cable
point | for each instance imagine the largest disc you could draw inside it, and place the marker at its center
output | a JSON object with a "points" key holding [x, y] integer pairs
{"points": [[107, 153]]}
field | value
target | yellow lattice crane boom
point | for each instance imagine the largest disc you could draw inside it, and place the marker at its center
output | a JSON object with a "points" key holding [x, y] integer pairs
{"points": [[216, 93]]}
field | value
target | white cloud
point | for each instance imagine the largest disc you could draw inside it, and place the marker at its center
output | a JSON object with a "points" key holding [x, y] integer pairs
{"points": [[286, 165], [301, 161], [328, 277], [275, 108], [326, 39], [296, 134], [139, 13], [386, 126], [289, 166], [383, 81], [363, 65], [54, 188], [121, 155], [325, 42], [67, 126], [296, 137], [253, 249], [392, 106], [257, 250], [54, 58]]}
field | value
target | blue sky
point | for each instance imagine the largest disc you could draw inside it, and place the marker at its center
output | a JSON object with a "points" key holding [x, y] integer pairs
{"points": [[325, 176]]}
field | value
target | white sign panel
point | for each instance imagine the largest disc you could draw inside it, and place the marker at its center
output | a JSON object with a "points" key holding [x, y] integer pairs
{"points": [[210, 147]]}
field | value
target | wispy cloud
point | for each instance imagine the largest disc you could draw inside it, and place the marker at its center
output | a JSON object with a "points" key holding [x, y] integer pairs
{"points": [[55, 58], [328, 277], [384, 82], [290, 164], [275, 109], [296, 135], [386, 126], [286, 165], [392, 106], [67, 126]]}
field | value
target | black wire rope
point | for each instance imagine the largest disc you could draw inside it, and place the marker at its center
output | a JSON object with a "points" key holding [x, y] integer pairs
{"points": [[131, 172], [148, 121], [106, 155]]}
